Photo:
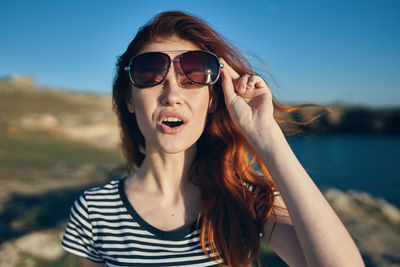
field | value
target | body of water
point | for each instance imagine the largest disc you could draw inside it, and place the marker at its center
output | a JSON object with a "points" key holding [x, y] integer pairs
{"points": [[358, 162]]}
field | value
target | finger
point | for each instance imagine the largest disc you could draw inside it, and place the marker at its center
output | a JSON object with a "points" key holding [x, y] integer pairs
{"points": [[255, 86], [231, 71], [262, 86], [252, 80], [242, 84], [227, 86], [256, 81]]}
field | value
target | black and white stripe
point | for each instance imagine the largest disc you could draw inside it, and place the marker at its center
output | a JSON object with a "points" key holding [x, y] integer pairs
{"points": [[104, 227]]}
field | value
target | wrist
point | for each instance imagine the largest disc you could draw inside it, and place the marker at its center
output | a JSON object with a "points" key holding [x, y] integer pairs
{"points": [[266, 136]]}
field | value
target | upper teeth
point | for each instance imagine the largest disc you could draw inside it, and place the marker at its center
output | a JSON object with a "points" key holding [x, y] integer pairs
{"points": [[172, 119]]}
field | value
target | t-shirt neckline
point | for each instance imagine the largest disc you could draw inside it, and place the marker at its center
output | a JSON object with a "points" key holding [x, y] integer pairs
{"points": [[166, 235]]}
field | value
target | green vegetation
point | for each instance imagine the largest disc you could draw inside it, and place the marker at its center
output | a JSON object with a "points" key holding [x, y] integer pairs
{"points": [[39, 152], [41, 176]]}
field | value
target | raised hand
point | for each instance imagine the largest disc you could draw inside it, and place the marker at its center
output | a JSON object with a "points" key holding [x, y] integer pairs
{"points": [[249, 101]]}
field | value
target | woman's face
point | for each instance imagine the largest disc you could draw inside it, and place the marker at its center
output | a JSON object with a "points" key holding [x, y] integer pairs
{"points": [[159, 109]]}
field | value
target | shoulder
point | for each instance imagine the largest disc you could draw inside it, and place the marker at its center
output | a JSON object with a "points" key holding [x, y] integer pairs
{"points": [[108, 188], [92, 205], [95, 196]]}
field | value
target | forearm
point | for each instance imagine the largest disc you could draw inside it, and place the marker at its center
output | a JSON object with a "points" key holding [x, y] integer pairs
{"points": [[323, 238]]}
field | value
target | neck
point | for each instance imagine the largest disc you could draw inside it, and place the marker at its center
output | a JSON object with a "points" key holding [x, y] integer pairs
{"points": [[166, 174]]}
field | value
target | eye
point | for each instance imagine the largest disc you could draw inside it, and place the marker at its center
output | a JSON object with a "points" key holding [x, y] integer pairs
{"points": [[186, 83], [196, 75]]}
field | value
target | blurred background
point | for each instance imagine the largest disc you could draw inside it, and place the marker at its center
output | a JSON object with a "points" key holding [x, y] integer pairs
{"points": [[59, 136]]}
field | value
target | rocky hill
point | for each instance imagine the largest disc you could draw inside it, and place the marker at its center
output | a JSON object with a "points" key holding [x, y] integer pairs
{"points": [[373, 223], [340, 118], [27, 108]]}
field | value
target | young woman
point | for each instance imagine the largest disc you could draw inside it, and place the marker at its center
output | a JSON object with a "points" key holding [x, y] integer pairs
{"points": [[195, 120]]}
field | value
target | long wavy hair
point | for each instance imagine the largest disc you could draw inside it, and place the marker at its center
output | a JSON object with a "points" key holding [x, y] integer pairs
{"points": [[235, 200]]}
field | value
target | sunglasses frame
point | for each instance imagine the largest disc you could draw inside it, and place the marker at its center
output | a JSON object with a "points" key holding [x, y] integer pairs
{"points": [[170, 62]]}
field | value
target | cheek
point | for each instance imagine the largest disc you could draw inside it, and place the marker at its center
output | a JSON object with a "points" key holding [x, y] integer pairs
{"points": [[143, 112], [143, 101], [203, 105]]}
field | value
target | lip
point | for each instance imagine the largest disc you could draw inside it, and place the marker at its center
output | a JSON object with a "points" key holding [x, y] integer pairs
{"points": [[169, 130]]}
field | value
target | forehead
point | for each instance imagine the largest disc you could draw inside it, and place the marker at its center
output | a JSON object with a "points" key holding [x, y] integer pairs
{"points": [[169, 44]]}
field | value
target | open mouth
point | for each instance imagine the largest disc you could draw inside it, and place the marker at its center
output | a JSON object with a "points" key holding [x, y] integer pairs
{"points": [[172, 122]]}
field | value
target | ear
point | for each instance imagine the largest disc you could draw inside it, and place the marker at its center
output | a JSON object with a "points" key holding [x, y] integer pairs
{"points": [[130, 105]]}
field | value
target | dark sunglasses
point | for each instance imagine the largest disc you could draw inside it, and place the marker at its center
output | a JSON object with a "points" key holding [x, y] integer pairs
{"points": [[150, 68]]}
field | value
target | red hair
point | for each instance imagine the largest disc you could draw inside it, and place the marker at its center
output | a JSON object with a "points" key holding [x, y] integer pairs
{"points": [[224, 173]]}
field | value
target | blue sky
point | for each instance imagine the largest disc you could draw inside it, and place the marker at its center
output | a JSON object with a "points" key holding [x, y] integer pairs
{"points": [[319, 51]]}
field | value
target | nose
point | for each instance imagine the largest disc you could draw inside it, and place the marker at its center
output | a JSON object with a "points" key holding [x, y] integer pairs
{"points": [[172, 92]]}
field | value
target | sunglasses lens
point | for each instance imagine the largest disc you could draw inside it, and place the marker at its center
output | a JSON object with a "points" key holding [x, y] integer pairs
{"points": [[149, 69], [200, 67]]}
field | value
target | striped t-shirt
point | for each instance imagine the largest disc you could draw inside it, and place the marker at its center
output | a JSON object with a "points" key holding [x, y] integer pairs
{"points": [[105, 228]]}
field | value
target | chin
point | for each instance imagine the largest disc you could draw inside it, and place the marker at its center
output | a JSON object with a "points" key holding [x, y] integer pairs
{"points": [[176, 147]]}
